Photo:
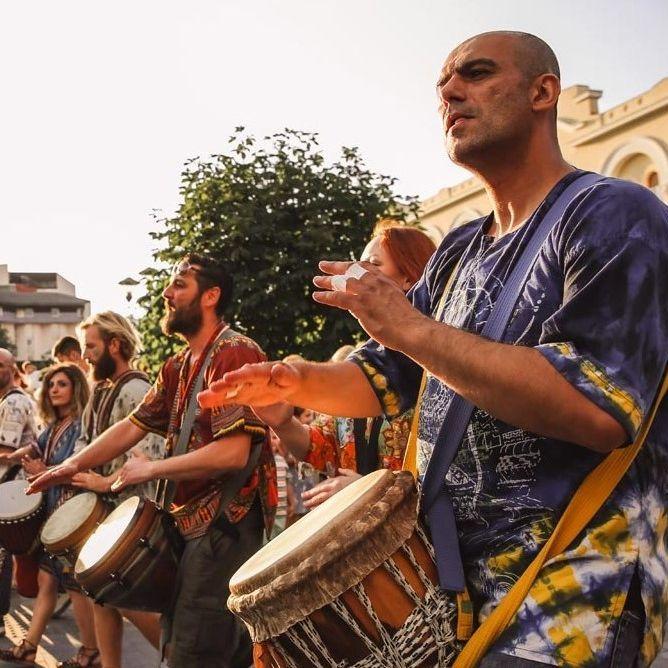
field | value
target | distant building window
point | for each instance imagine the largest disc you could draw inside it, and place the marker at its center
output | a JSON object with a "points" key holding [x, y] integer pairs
{"points": [[55, 310], [651, 178], [24, 312]]}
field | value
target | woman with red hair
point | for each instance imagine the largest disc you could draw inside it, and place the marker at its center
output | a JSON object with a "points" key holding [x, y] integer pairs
{"points": [[353, 447]]}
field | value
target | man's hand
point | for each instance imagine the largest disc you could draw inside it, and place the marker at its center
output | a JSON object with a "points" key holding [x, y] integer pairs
{"points": [[58, 475], [322, 491], [33, 466], [377, 302], [135, 471], [253, 385], [93, 482]]}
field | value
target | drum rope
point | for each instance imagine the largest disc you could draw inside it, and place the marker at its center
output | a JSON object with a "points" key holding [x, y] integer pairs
{"points": [[312, 634]]}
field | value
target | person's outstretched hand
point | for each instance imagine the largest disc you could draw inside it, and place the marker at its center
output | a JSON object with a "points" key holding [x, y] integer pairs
{"points": [[253, 385]]}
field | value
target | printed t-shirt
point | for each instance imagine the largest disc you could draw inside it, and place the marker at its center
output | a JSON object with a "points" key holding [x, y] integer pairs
{"points": [[196, 502], [594, 306]]}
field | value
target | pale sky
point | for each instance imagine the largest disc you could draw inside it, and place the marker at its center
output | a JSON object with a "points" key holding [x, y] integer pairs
{"points": [[103, 102]]}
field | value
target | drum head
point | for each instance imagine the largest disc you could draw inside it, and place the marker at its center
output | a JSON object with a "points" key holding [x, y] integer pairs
{"points": [[105, 537], [326, 516], [68, 518], [15, 503]]}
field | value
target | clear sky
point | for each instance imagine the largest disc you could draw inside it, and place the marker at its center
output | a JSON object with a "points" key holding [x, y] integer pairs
{"points": [[103, 102]]}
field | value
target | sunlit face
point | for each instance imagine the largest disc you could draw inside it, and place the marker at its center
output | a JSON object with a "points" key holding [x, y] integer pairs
{"points": [[376, 253], [60, 390], [183, 311], [484, 100]]}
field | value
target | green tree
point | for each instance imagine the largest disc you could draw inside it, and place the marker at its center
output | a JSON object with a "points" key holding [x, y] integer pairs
{"points": [[5, 341], [271, 209]]}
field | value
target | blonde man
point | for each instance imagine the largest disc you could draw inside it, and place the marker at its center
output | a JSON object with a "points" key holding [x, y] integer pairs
{"points": [[110, 344]]}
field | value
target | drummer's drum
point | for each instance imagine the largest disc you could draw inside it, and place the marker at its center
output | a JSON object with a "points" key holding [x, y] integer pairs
{"points": [[69, 526], [130, 560], [21, 517], [353, 583]]}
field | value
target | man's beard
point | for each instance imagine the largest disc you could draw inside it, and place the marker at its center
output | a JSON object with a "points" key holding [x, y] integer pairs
{"points": [[105, 367], [185, 320]]}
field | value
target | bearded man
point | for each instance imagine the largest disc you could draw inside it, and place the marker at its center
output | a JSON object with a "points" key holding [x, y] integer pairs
{"points": [[219, 536], [110, 346], [581, 360]]}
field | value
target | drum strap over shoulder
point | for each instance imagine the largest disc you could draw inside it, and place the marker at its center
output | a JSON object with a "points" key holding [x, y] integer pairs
{"points": [[585, 503], [436, 504], [167, 488]]}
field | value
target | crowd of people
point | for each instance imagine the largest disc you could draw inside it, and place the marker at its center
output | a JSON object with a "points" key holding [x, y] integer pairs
{"points": [[238, 448]]}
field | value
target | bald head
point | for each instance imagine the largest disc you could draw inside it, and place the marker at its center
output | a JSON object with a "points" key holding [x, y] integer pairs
{"points": [[7, 357], [532, 55], [7, 369]]}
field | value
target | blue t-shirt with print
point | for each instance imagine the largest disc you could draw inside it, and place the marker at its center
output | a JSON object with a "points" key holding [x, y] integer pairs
{"points": [[595, 305]]}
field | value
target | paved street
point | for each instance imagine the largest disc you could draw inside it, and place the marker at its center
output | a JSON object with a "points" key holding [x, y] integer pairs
{"points": [[60, 640]]}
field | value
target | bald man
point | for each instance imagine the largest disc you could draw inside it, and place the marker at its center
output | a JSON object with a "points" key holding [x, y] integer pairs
{"points": [[17, 429], [583, 356]]}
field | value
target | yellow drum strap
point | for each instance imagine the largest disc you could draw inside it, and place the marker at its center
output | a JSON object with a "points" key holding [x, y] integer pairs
{"points": [[586, 502]]}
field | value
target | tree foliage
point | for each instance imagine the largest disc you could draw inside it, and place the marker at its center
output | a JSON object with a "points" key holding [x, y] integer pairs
{"points": [[272, 208], [5, 341]]}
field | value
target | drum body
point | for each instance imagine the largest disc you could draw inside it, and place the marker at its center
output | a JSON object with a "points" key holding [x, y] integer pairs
{"points": [[69, 526], [21, 517], [352, 583], [131, 559]]}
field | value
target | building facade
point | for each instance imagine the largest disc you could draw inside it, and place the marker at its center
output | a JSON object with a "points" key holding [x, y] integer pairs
{"points": [[37, 309], [629, 141]]}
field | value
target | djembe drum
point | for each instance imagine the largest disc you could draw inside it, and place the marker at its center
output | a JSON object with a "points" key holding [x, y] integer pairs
{"points": [[130, 560], [353, 584], [68, 528], [21, 517]]}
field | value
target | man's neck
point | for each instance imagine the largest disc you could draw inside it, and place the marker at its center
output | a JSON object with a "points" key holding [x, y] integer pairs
{"points": [[517, 188], [121, 367], [197, 342]]}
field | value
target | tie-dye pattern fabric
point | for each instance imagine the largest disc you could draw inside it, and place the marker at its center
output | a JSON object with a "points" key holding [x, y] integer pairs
{"points": [[595, 305]]}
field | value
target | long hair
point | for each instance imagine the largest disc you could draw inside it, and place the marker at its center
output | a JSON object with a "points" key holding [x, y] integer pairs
{"points": [[80, 391], [114, 326], [409, 248]]}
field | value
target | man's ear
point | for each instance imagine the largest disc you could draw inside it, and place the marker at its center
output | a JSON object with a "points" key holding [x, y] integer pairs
{"points": [[211, 296], [545, 91], [114, 346]]}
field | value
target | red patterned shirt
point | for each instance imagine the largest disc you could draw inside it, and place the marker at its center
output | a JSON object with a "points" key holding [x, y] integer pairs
{"points": [[196, 502]]}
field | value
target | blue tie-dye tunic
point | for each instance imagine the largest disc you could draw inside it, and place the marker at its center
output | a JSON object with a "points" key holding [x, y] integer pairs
{"points": [[596, 306]]}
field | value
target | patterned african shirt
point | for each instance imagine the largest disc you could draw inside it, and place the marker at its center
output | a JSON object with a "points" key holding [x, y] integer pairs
{"points": [[17, 420], [128, 397], [594, 305], [196, 502], [332, 440]]}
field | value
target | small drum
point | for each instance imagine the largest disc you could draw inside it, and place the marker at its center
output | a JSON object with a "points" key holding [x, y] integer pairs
{"points": [[21, 517], [68, 528], [130, 560], [353, 583]]}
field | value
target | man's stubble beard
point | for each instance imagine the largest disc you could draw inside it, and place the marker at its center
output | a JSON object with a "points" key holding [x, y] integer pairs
{"points": [[186, 320]]}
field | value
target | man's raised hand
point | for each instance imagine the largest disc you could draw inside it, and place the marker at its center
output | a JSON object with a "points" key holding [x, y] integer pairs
{"points": [[253, 385]]}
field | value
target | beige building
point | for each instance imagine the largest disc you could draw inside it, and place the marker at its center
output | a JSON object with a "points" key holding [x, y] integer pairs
{"points": [[629, 141], [37, 309]]}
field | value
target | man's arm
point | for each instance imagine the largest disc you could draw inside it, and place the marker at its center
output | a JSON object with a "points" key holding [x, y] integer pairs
{"points": [[513, 383], [107, 446], [334, 388], [221, 456]]}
